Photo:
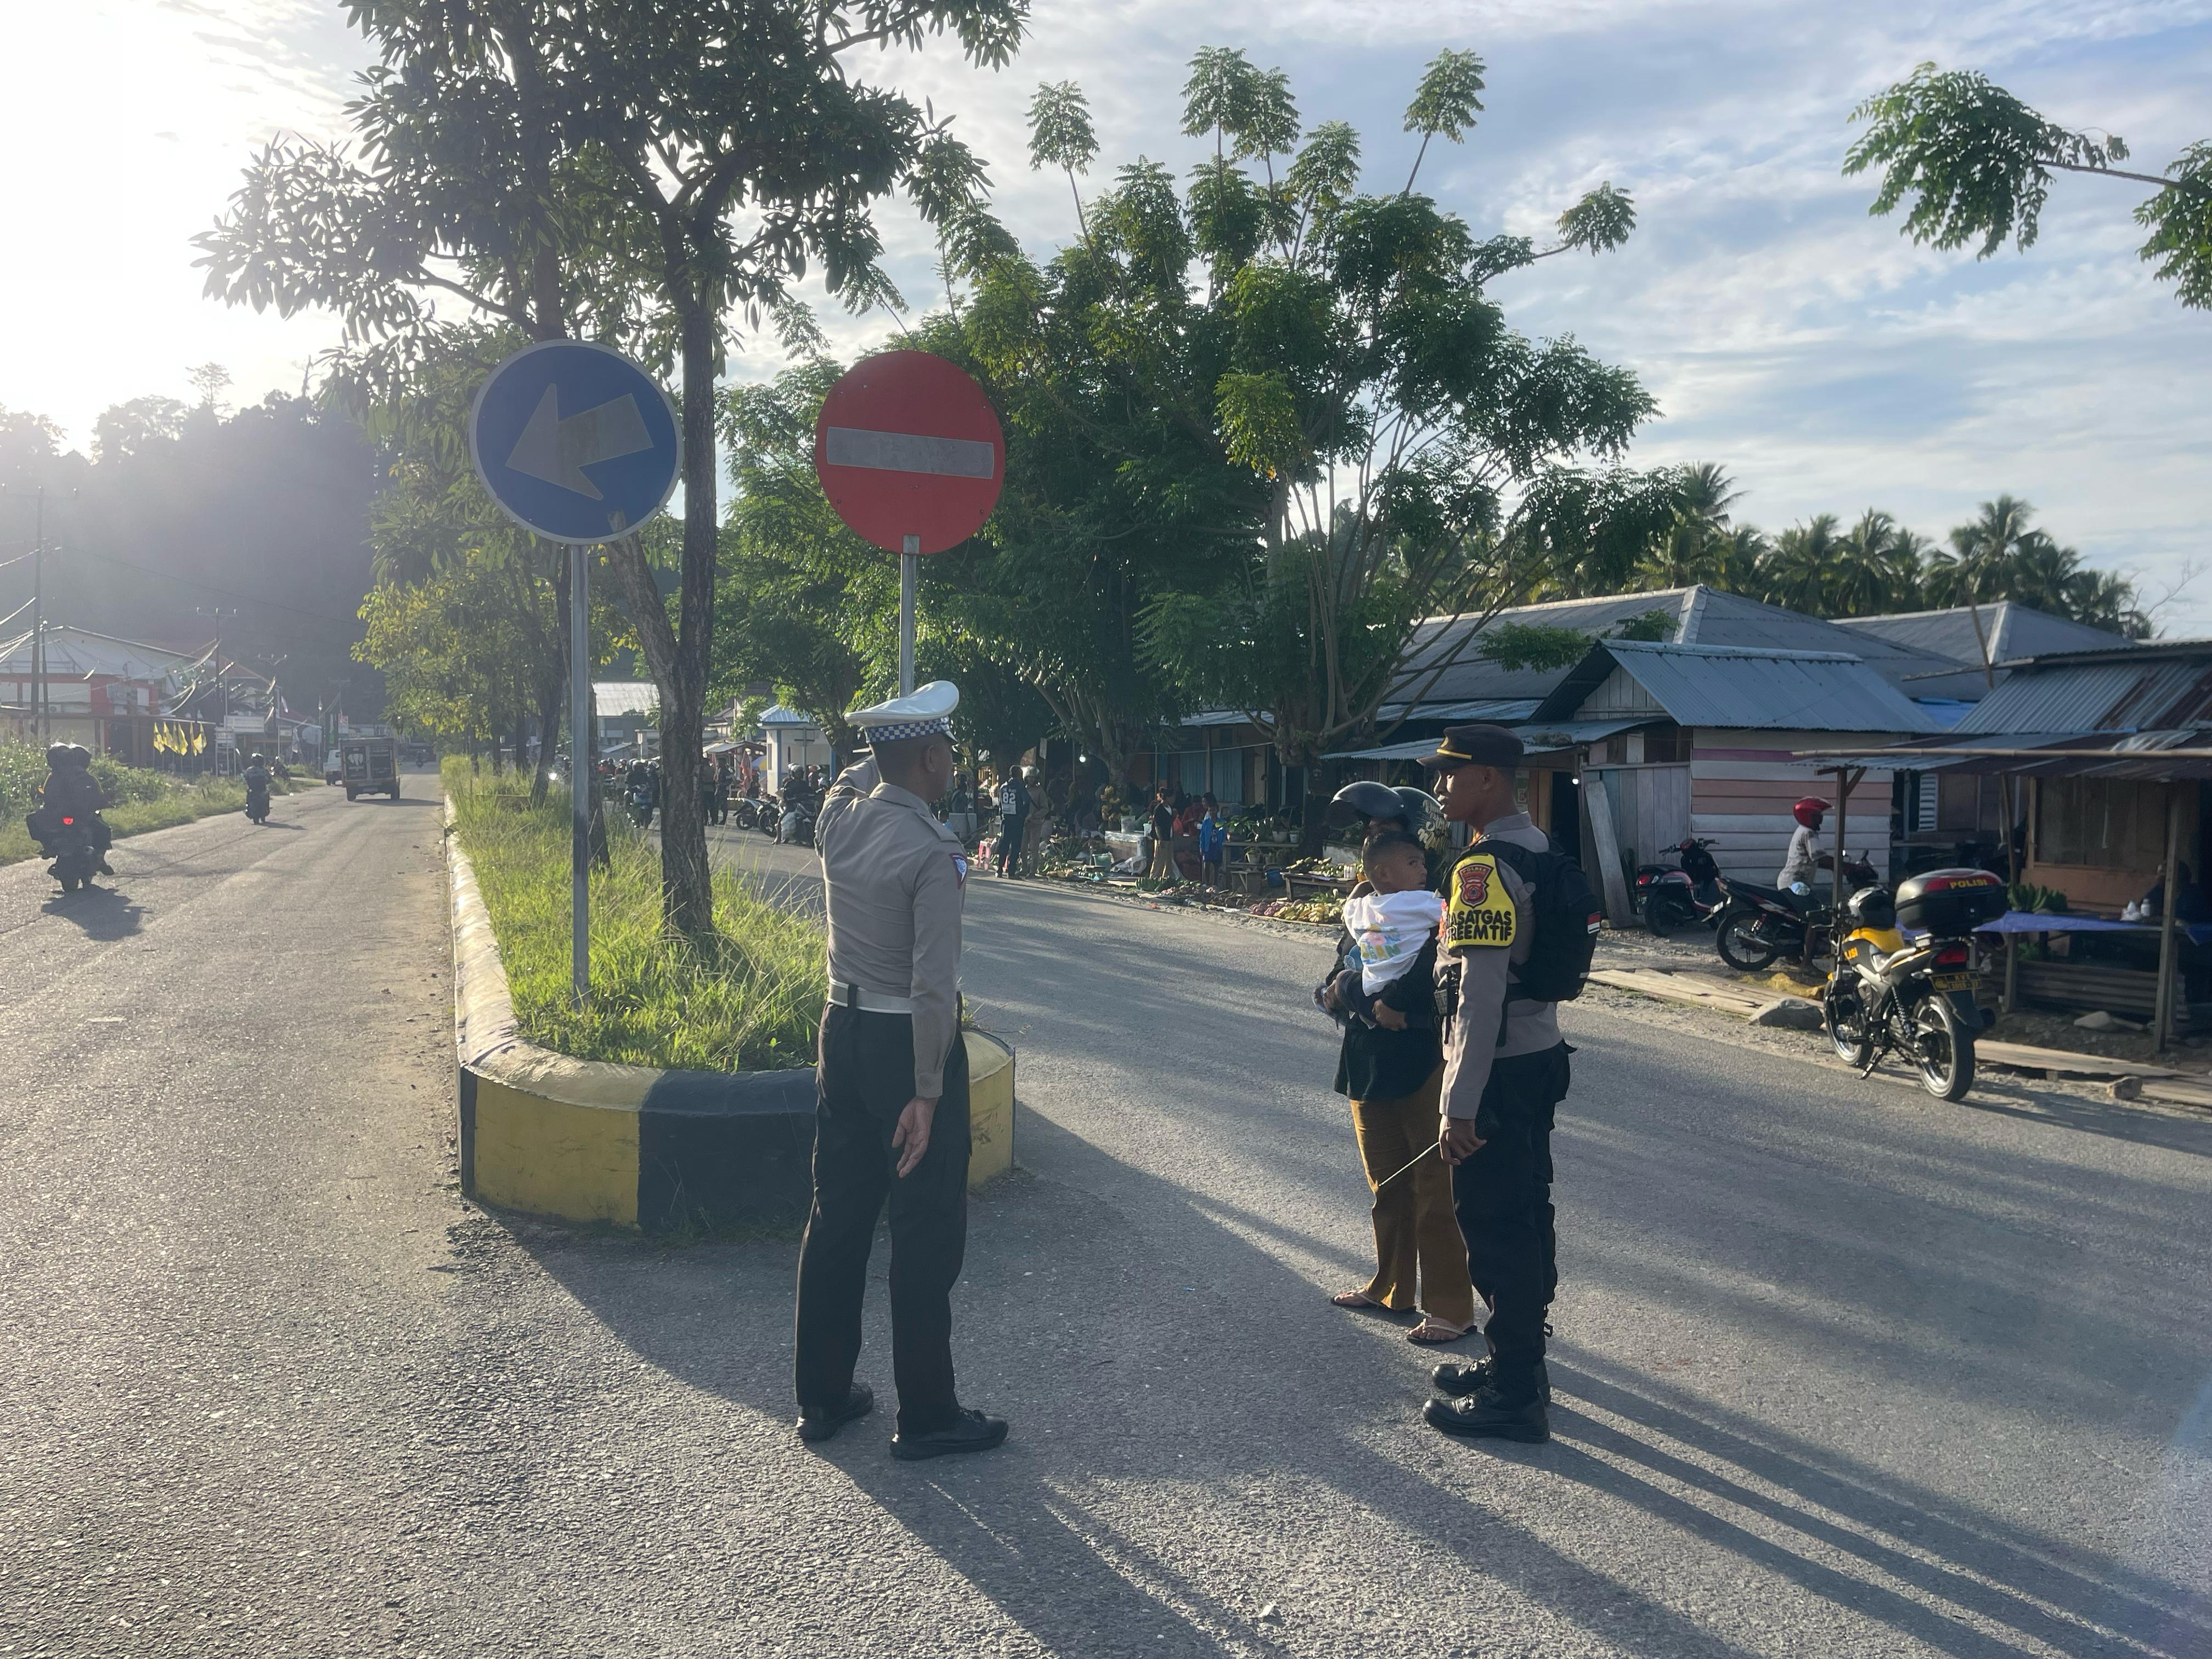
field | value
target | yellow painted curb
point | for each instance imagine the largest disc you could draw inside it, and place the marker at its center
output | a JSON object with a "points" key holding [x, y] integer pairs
{"points": [[639, 1148]]}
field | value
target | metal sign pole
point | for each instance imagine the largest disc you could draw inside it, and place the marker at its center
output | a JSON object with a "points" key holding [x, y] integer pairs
{"points": [[579, 770], [909, 565]]}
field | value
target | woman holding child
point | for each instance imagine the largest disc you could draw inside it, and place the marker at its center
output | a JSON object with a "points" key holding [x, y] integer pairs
{"points": [[1391, 1070]]}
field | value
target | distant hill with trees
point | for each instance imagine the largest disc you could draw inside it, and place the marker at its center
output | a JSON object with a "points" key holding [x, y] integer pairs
{"points": [[182, 511]]}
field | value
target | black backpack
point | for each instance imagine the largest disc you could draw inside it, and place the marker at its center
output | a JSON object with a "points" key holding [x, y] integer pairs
{"points": [[1565, 915]]}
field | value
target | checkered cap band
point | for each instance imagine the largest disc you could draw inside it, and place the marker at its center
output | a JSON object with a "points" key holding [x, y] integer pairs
{"points": [[905, 729]]}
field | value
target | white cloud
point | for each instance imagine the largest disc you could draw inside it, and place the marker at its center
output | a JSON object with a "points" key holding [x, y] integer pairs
{"points": [[1827, 362]]}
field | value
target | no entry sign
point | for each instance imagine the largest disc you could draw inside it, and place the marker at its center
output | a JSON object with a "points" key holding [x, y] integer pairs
{"points": [[909, 452]]}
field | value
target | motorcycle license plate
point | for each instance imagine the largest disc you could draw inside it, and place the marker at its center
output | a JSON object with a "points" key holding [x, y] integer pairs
{"points": [[1954, 981]]}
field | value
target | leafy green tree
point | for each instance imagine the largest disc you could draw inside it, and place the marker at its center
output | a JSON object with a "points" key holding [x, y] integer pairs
{"points": [[641, 173], [1377, 454], [1975, 164], [128, 429]]}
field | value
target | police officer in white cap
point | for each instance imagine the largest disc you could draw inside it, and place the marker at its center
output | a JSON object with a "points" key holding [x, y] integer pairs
{"points": [[891, 1086]]}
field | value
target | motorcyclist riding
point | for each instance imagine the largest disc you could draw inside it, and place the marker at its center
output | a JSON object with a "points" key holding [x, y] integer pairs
{"points": [[256, 779], [73, 792]]}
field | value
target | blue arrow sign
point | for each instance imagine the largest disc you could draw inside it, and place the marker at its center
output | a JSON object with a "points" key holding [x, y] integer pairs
{"points": [[574, 441]]}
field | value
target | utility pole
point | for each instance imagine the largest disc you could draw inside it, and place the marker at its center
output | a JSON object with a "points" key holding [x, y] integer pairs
{"points": [[38, 625], [218, 615]]}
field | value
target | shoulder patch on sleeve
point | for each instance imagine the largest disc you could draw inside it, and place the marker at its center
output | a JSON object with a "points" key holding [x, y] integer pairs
{"points": [[1480, 913]]}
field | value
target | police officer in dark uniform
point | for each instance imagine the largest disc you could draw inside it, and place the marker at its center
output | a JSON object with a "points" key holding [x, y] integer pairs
{"points": [[891, 1083], [1505, 1070]]}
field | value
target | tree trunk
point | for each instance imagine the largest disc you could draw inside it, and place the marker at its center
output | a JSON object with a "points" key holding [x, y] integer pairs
{"points": [[1313, 825]]}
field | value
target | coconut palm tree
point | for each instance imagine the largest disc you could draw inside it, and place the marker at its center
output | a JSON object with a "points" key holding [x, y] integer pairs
{"points": [[1909, 554], [1975, 571], [1801, 568], [1862, 583], [1689, 550]]}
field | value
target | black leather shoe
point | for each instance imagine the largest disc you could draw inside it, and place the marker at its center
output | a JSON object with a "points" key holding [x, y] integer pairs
{"points": [[971, 1431], [815, 1424], [1458, 1380], [1490, 1415]]}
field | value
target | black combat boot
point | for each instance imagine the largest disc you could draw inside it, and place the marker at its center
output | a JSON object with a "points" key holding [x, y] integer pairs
{"points": [[1456, 1379], [817, 1425], [1503, 1409]]}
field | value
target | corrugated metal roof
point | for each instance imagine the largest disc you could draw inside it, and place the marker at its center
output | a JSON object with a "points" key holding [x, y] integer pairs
{"points": [[1747, 688], [2167, 689], [617, 697], [1703, 615], [2139, 757], [1221, 717], [2011, 630], [1546, 739], [776, 714]]}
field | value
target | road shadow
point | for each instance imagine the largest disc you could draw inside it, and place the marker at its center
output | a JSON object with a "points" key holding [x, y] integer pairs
{"points": [[100, 913], [1144, 1343]]}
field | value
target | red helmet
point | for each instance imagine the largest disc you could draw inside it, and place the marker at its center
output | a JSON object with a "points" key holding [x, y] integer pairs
{"points": [[1807, 811]]}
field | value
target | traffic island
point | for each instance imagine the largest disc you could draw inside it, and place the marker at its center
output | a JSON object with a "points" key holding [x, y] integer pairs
{"points": [[656, 1151]]}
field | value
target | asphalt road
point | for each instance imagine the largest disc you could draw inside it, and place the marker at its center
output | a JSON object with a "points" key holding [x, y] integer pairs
{"points": [[1839, 1370]]}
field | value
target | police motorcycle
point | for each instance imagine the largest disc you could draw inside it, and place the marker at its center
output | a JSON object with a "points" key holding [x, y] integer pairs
{"points": [[1915, 998], [745, 813], [1673, 896]]}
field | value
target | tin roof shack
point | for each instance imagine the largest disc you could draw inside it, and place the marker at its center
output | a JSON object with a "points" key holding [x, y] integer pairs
{"points": [[2109, 753], [1704, 740], [1688, 615], [100, 691]]}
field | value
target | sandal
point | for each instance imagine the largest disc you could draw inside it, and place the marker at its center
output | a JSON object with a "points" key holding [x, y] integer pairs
{"points": [[1433, 1330], [1360, 1302]]}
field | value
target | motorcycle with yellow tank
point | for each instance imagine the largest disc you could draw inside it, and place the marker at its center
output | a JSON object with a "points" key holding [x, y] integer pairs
{"points": [[1913, 996]]}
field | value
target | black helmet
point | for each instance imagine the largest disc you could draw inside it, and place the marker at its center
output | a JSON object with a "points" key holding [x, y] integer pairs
{"points": [[1371, 801], [255, 760], [1873, 907], [1424, 811], [57, 755]]}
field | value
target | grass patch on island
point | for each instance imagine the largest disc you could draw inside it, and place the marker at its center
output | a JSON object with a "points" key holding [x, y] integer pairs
{"points": [[747, 1003], [139, 798]]}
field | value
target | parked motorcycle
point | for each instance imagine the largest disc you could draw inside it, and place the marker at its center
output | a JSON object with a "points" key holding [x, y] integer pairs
{"points": [[744, 814], [1761, 924], [1673, 896], [1915, 999]]}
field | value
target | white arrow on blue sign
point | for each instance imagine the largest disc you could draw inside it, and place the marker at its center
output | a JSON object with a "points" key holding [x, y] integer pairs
{"points": [[575, 442]]}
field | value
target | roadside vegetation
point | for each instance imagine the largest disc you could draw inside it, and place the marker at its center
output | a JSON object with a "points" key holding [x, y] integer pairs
{"points": [[747, 999], [139, 798]]}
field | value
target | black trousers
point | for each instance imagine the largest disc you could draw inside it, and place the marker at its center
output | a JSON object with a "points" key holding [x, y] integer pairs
{"points": [[1011, 831], [864, 1077], [1502, 1195]]}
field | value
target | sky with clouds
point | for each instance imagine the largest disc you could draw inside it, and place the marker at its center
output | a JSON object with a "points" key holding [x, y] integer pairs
{"points": [[1827, 362]]}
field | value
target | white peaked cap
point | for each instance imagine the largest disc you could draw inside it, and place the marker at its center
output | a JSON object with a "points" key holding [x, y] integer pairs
{"points": [[924, 711]]}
